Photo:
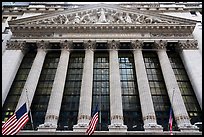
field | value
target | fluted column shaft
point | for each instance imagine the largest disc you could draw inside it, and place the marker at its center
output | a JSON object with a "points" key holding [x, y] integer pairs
{"points": [[116, 109], [148, 113], [84, 114], [54, 105], [11, 61], [179, 109], [32, 80]]}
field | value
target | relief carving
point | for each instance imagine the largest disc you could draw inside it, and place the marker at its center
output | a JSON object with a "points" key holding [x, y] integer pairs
{"points": [[100, 17]]}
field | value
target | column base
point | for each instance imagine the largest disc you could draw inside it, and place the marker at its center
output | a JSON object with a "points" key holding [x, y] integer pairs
{"points": [[188, 128], [47, 127], [117, 128], [80, 127], [153, 127]]}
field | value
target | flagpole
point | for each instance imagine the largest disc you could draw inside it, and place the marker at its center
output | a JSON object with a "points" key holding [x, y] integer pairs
{"points": [[172, 109], [31, 119]]}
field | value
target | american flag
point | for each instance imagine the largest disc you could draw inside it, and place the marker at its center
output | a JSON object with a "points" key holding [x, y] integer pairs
{"points": [[92, 124], [170, 121], [16, 122]]}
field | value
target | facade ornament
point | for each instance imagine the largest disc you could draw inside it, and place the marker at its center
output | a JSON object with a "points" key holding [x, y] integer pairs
{"points": [[42, 44], [102, 18], [66, 44], [137, 44], [160, 44], [187, 44], [17, 45], [89, 44], [113, 44]]}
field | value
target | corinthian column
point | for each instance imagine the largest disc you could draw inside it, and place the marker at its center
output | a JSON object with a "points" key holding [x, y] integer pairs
{"points": [[33, 76], [11, 61], [179, 109], [84, 114], [117, 123], [55, 101], [148, 113]]}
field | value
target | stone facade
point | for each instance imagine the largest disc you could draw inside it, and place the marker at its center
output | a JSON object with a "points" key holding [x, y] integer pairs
{"points": [[91, 24]]}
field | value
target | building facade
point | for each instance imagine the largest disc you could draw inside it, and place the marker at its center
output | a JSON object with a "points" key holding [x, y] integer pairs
{"points": [[136, 61]]}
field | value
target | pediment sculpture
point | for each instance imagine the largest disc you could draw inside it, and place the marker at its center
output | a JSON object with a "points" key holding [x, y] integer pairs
{"points": [[101, 16]]}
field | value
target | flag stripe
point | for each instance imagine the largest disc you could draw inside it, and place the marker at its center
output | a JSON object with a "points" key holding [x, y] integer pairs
{"points": [[16, 122], [92, 124]]}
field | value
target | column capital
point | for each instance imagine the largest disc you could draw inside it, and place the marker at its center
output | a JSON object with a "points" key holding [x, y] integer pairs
{"points": [[113, 44], [42, 44], [187, 44], [160, 44], [137, 44], [17, 45], [88, 44], [66, 44]]}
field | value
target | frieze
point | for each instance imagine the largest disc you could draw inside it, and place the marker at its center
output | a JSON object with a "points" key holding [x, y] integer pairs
{"points": [[102, 16]]}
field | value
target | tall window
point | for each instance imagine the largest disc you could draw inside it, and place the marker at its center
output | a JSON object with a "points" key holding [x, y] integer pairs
{"points": [[70, 102], [101, 95], [17, 85], [158, 89], [130, 96], [44, 87], [189, 97]]}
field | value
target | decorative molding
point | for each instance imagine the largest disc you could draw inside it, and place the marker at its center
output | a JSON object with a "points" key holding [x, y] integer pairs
{"points": [[89, 44], [160, 44], [113, 44], [42, 44], [187, 44], [17, 45], [51, 117], [84, 117], [149, 117], [66, 44], [119, 117], [137, 44]]}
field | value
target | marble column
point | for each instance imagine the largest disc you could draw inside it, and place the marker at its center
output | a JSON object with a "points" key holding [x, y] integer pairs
{"points": [[54, 105], [179, 109], [11, 61], [33, 76], [84, 114], [148, 113], [116, 109], [191, 57]]}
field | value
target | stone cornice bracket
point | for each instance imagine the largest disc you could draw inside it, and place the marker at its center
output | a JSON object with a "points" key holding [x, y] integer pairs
{"points": [[43, 45], [160, 44], [91, 45], [137, 44], [187, 44], [113, 44], [66, 44]]}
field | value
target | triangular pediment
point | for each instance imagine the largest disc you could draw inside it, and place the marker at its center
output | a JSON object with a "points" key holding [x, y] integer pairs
{"points": [[101, 14]]}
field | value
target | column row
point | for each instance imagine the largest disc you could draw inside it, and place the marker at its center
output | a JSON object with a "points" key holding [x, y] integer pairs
{"points": [[116, 111]]}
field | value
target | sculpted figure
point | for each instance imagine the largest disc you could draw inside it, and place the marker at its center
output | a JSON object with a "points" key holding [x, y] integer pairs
{"points": [[77, 19], [102, 18], [128, 18]]}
